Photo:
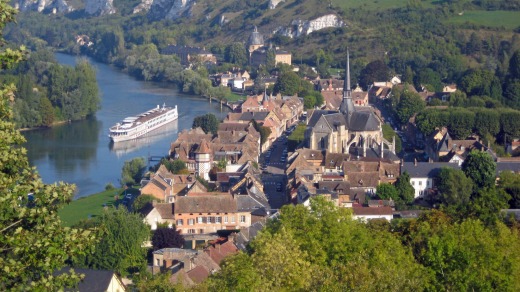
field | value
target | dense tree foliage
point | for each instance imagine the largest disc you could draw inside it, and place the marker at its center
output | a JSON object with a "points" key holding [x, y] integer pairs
{"points": [[327, 241], [142, 201], [175, 166], [387, 191], [49, 92], [510, 183], [133, 170], [466, 255], [480, 167], [34, 244], [455, 190], [374, 71], [404, 189], [120, 248], [208, 122], [164, 237]]}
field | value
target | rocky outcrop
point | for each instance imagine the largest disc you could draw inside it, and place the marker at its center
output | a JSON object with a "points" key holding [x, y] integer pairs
{"points": [[99, 7], [143, 6], [44, 5], [169, 9], [300, 27], [274, 3]]}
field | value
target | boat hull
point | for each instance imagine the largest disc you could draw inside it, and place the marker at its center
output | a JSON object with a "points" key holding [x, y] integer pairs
{"points": [[119, 134]]}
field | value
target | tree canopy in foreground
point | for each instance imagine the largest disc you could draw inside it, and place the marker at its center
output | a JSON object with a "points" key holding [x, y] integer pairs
{"points": [[33, 242]]}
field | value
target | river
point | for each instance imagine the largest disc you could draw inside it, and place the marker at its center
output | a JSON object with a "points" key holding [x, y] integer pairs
{"points": [[81, 152]]}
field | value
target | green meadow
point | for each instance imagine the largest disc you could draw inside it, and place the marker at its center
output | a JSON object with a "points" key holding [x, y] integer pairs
{"points": [[507, 19]]}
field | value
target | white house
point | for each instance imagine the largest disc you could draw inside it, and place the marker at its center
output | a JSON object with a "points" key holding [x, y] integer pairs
{"points": [[160, 214], [422, 174], [369, 213]]}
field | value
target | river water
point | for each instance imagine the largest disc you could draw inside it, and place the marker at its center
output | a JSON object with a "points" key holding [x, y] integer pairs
{"points": [[81, 152]]}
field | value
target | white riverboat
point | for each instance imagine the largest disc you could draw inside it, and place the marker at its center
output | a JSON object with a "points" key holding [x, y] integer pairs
{"points": [[136, 126]]}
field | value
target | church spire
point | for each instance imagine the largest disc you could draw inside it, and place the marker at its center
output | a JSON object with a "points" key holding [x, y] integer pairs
{"points": [[346, 84], [347, 106]]}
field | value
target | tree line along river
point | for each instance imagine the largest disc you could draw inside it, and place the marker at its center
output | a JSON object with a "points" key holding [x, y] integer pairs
{"points": [[81, 152]]}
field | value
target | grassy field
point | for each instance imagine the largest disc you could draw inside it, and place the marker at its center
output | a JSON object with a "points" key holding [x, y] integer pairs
{"points": [[375, 4], [90, 206], [507, 19]]}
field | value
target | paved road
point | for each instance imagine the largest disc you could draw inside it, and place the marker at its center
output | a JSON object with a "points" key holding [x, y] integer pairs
{"points": [[274, 178], [274, 189]]}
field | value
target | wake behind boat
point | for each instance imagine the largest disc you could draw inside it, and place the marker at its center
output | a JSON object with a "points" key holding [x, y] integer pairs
{"points": [[136, 126]]}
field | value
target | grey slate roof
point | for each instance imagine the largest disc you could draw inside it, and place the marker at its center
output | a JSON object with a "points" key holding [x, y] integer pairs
{"points": [[374, 153], [425, 169], [508, 165], [336, 120], [94, 281], [316, 115], [258, 116], [363, 121]]}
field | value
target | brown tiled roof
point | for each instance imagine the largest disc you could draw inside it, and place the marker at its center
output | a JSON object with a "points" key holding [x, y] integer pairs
{"points": [[198, 274], [204, 148], [363, 179], [225, 176], [233, 117], [338, 186], [220, 251], [206, 204], [233, 126], [165, 210], [360, 166], [367, 211], [333, 160], [310, 154]]}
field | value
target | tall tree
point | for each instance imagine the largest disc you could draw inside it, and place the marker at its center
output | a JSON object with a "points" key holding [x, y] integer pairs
{"points": [[33, 242], [288, 83], [122, 237], [165, 237], [208, 122], [387, 191], [133, 170], [480, 167], [374, 71], [514, 65], [236, 54], [404, 188], [409, 104]]}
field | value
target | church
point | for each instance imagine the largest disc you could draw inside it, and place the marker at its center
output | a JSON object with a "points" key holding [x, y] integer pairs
{"points": [[352, 130]]}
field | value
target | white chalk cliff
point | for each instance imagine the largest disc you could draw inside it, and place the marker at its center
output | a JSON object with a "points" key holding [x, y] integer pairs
{"points": [[99, 7], [304, 27], [169, 9]]}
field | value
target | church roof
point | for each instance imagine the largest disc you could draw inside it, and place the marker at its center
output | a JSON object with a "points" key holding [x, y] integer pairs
{"points": [[316, 115], [364, 121], [256, 38]]}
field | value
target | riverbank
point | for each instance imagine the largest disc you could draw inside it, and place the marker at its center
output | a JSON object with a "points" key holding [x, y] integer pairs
{"points": [[45, 127], [91, 206]]}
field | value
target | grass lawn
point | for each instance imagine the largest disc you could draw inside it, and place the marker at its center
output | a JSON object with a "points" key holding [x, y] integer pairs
{"points": [[90, 206], [235, 97], [376, 4], [507, 19]]}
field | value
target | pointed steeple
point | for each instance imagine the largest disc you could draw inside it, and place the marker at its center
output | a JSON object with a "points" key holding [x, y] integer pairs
{"points": [[346, 85], [347, 106]]}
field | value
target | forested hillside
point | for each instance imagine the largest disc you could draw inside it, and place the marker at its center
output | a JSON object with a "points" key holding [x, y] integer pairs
{"points": [[48, 92]]}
